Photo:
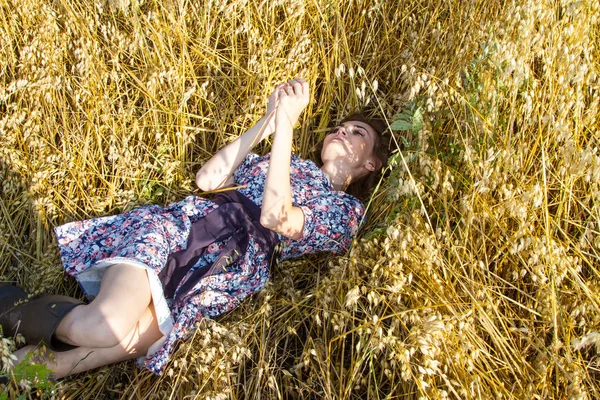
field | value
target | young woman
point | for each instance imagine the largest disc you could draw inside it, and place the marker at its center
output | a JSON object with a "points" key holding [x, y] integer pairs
{"points": [[152, 273]]}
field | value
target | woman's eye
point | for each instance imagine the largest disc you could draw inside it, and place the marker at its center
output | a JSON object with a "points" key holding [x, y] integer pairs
{"points": [[357, 132]]}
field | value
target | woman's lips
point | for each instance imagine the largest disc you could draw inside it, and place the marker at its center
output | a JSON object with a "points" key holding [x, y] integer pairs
{"points": [[342, 141]]}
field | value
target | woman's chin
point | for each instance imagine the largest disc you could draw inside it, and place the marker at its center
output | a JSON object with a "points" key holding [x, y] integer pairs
{"points": [[335, 153]]}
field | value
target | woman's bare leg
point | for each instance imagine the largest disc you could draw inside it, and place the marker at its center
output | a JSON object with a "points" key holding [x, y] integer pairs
{"points": [[135, 344], [124, 295]]}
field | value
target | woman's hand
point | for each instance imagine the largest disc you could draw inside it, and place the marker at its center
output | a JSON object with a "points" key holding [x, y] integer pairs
{"points": [[291, 99]]}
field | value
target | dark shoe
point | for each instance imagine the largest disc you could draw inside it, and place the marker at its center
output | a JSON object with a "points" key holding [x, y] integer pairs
{"points": [[10, 297], [38, 319]]}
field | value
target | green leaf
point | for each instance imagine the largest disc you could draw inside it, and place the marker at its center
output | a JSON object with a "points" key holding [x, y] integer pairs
{"points": [[37, 374], [417, 120], [374, 233], [400, 125], [410, 119]]}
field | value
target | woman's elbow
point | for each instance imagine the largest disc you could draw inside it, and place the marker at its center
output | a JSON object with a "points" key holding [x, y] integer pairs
{"points": [[268, 221], [204, 182], [209, 181]]}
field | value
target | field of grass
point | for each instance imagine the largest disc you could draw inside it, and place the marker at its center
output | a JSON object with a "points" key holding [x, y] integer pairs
{"points": [[478, 273]]}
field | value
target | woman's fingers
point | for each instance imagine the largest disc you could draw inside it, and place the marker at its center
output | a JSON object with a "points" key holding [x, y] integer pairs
{"points": [[284, 92], [305, 87], [279, 89], [300, 86], [297, 87]]}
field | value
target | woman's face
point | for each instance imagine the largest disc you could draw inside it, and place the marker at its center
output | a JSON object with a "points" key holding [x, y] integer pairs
{"points": [[352, 142]]}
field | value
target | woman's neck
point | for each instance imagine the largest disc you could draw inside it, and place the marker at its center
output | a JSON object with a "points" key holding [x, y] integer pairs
{"points": [[338, 174]]}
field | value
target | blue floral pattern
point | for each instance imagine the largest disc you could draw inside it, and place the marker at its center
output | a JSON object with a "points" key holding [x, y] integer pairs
{"points": [[147, 235]]}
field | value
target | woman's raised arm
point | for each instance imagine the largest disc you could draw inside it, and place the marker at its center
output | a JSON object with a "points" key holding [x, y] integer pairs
{"points": [[217, 172], [277, 212]]}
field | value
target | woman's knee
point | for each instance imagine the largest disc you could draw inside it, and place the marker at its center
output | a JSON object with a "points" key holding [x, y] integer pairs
{"points": [[111, 329], [92, 327]]}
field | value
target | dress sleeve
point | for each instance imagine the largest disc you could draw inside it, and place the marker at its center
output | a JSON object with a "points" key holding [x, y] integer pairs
{"points": [[242, 172], [330, 222]]}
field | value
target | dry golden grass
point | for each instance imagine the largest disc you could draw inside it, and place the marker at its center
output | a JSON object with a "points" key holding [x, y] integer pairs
{"points": [[478, 274]]}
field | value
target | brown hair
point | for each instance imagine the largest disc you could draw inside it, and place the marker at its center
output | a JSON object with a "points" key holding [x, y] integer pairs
{"points": [[362, 187]]}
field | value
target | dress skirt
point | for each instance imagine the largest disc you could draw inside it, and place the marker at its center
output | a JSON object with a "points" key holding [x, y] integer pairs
{"points": [[143, 237]]}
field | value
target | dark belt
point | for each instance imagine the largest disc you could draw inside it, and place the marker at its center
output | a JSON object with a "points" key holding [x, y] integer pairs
{"points": [[236, 218]]}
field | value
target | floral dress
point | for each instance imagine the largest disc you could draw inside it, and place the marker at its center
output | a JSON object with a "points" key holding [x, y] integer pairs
{"points": [[145, 237]]}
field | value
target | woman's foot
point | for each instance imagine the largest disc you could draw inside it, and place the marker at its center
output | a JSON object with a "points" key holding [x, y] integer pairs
{"points": [[22, 353], [27, 378]]}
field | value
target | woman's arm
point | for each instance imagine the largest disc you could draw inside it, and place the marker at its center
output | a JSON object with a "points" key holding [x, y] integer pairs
{"points": [[278, 213], [217, 172]]}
